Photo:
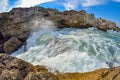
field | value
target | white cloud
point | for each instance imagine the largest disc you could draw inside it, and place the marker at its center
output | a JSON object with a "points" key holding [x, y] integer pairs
{"points": [[4, 5], [73, 4], [88, 3], [116, 0], [30, 3], [70, 4]]}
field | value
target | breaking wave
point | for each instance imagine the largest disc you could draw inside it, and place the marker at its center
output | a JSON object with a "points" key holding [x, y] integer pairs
{"points": [[72, 50]]}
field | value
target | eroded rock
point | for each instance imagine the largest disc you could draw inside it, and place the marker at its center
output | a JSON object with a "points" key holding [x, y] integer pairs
{"points": [[12, 68]]}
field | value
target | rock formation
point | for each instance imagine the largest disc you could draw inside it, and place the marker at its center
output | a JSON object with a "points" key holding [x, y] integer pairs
{"points": [[17, 23], [12, 44], [12, 68], [15, 69]]}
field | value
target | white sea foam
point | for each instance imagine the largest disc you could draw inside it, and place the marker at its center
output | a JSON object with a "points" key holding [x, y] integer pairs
{"points": [[72, 50]]}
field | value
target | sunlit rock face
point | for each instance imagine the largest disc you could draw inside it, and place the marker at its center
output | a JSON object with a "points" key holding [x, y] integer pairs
{"points": [[105, 25], [12, 68]]}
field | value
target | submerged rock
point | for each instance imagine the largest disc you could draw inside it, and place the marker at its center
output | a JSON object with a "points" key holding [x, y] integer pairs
{"points": [[12, 68]]}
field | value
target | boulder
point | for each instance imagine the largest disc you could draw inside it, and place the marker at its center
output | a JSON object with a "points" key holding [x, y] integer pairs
{"points": [[105, 25], [11, 45]]}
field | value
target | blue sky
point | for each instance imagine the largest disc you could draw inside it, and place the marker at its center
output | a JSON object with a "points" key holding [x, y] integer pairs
{"points": [[108, 9]]}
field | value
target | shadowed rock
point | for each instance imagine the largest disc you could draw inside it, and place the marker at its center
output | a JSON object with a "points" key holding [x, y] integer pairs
{"points": [[11, 45]]}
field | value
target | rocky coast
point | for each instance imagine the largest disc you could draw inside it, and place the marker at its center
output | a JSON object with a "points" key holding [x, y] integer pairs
{"points": [[17, 25], [12, 68]]}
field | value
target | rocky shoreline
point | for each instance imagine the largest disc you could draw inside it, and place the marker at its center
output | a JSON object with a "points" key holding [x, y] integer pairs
{"points": [[16, 25], [12, 68], [15, 28]]}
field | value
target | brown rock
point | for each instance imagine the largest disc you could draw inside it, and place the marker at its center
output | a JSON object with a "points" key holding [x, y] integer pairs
{"points": [[12, 68], [100, 74], [74, 19], [105, 25], [11, 45]]}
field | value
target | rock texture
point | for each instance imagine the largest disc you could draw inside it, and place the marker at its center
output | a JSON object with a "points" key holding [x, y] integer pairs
{"points": [[12, 68], [104, 25], [12, 44], [15, 69], [20, 22]]}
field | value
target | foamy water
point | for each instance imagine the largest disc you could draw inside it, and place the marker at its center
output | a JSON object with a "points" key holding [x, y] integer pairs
{"points": [[72, 50]]}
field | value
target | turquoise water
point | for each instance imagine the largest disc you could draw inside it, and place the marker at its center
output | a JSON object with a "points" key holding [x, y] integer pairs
{"points": [[72, 50]]}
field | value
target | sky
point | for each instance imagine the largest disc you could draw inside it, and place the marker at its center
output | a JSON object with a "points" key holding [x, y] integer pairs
{"points": [[108, 9]]}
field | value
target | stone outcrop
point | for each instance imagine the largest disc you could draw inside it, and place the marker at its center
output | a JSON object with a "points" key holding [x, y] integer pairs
{"points": [[18, 23], [74, 19], [105, 25], [11, 45], [12, 68]]}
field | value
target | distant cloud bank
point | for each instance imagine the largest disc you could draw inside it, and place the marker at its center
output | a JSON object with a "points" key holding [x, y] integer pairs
{"points": [[5, 6], [73, 4], [29, 3], [68, 4]]}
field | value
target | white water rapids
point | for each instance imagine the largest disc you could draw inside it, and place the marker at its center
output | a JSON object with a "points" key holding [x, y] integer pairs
{"points": [[72, 50]]}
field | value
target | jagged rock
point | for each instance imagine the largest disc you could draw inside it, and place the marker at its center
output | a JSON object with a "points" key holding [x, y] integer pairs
{"points": [[11, 45], [104, 25], [74, 19], [12, 68]]}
